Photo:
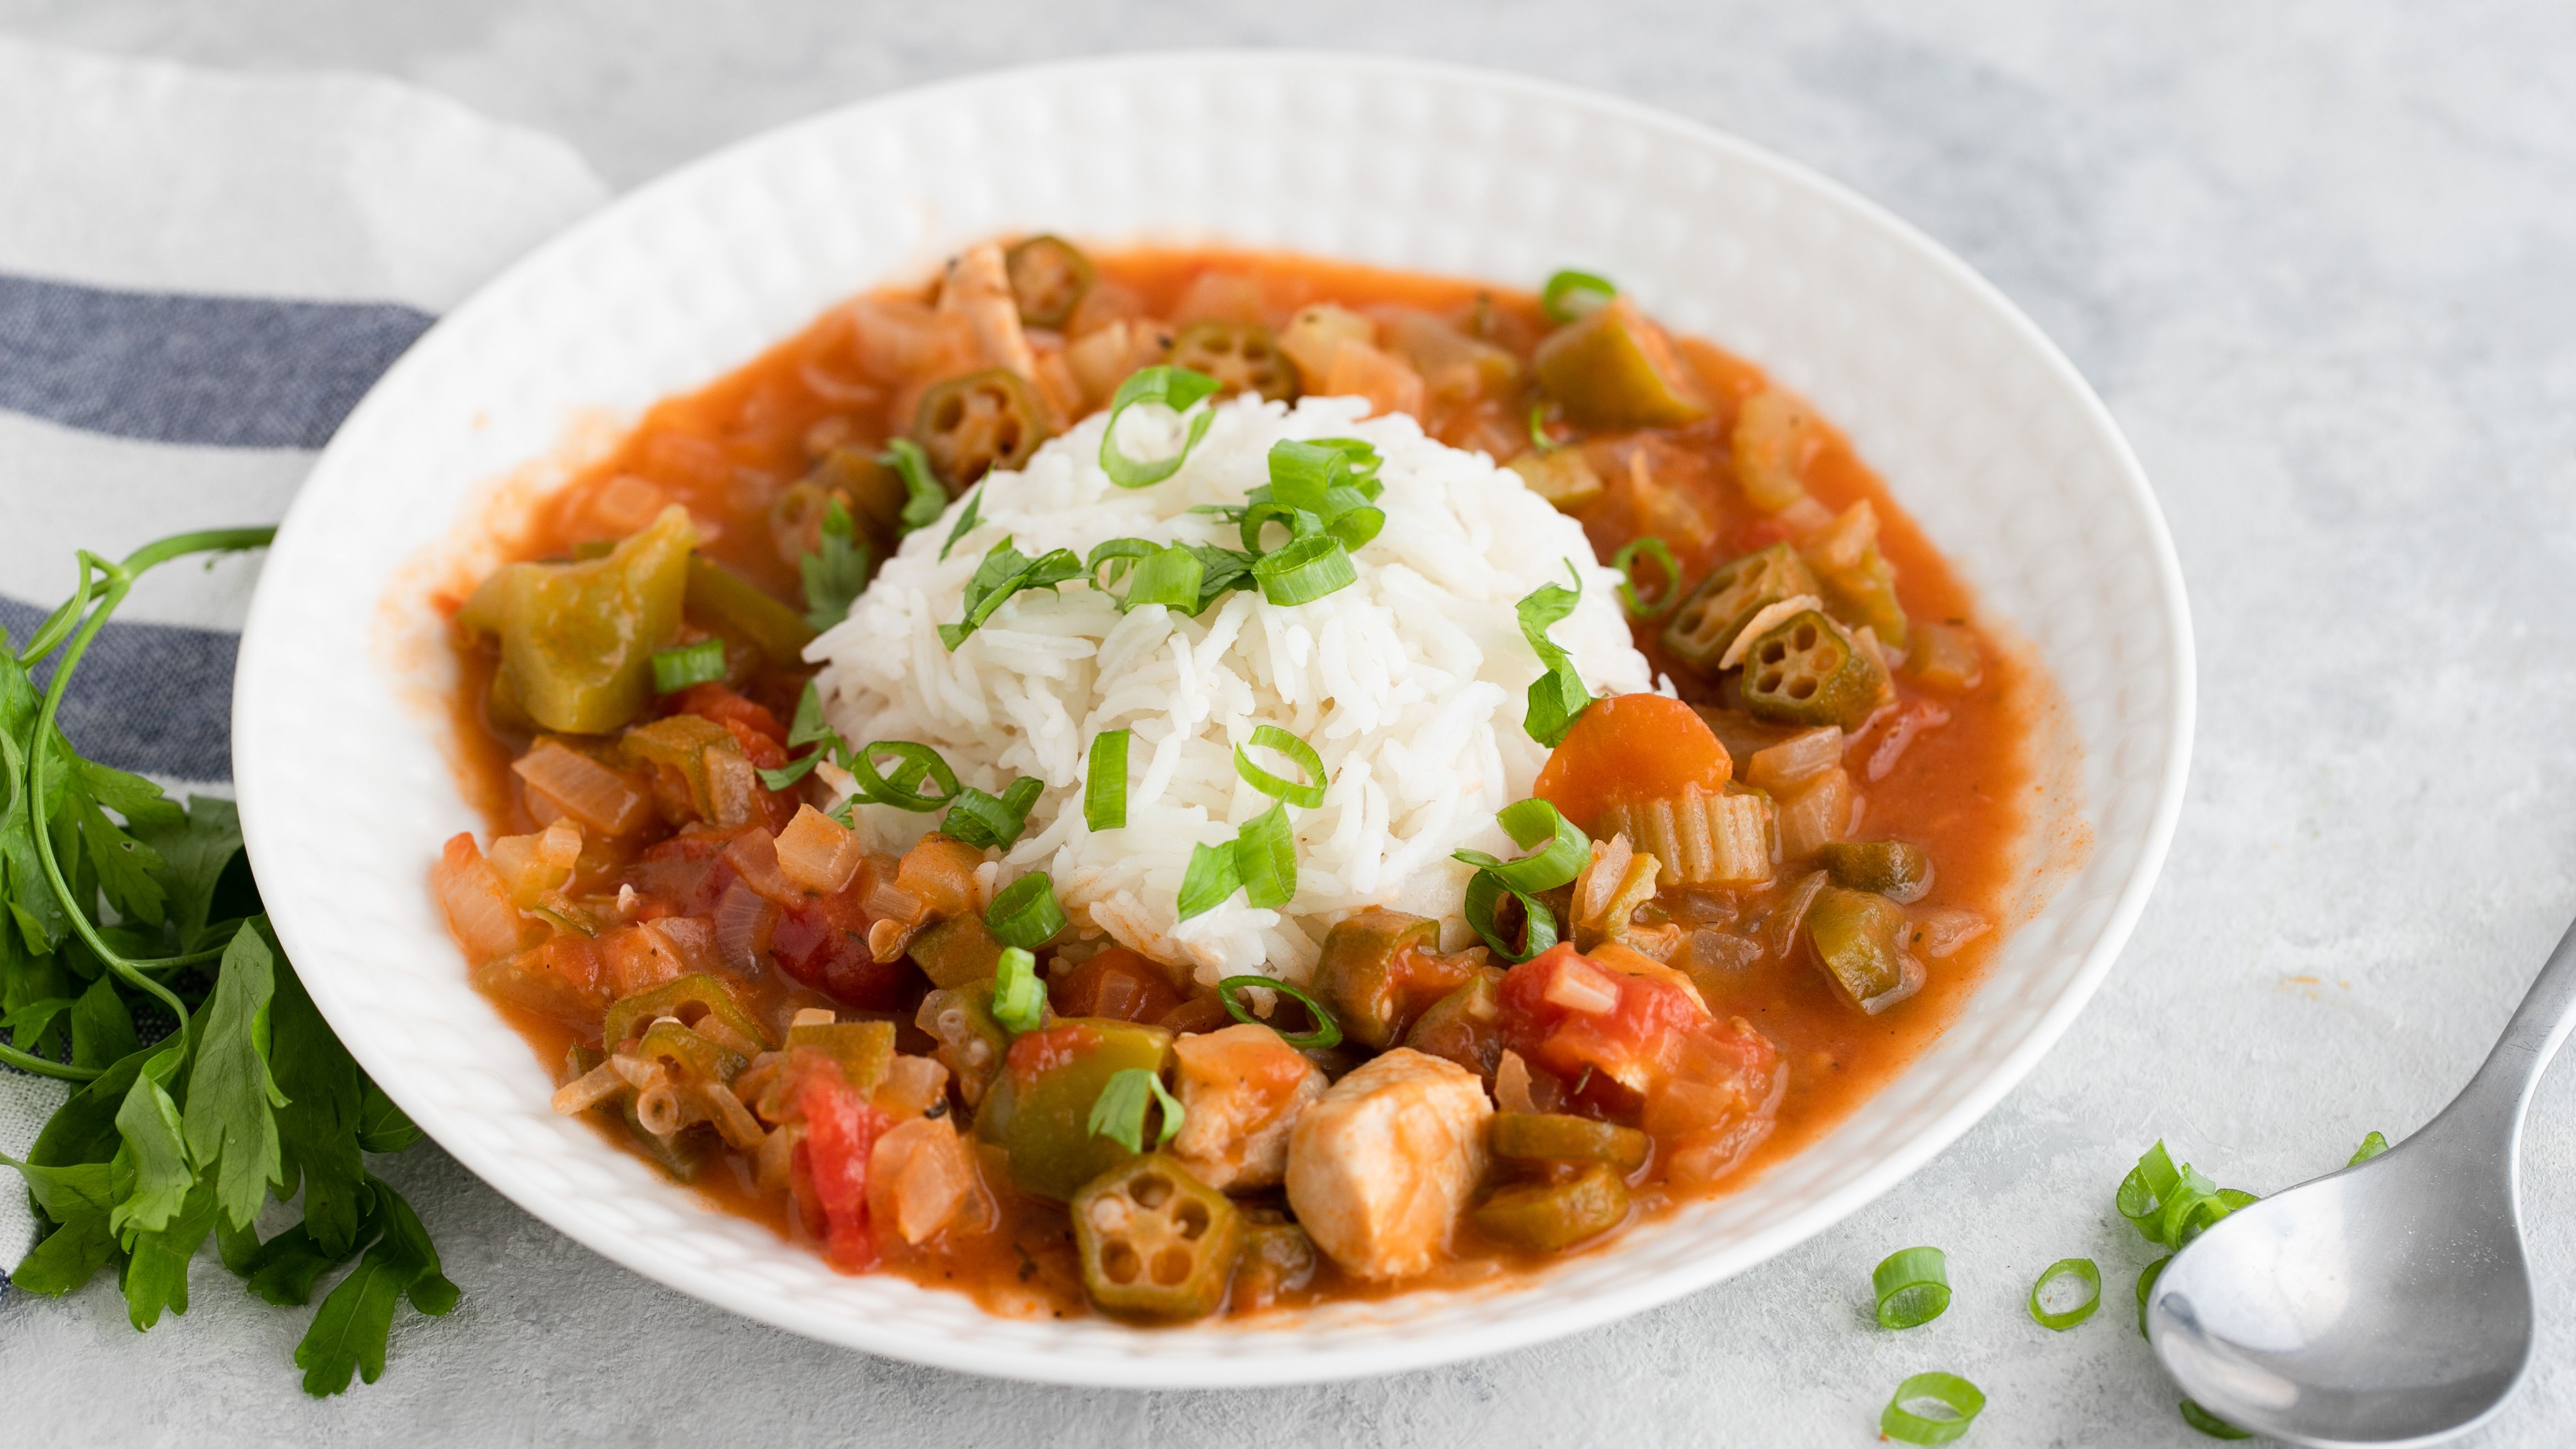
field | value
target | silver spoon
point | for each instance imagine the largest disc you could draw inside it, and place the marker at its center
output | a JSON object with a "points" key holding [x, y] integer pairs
{"points": [[2387, 1303]]}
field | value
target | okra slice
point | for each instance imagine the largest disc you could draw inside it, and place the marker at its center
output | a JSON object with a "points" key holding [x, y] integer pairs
{"points": [[1613, 368], [1807, 671], [1155, 1241], [957, 950], [1547, 1217], [974, 424], [1562, 1137], [1049, 278], [1378, 969], [1900, 871], [1243, 356], [1708, 621]]}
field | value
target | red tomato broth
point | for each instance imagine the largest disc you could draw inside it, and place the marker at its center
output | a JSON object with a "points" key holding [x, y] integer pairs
{"points": [[1963, 790]]}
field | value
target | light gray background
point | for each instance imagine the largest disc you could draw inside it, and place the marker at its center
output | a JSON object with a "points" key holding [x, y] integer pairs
{"points": [[2320, 259]]}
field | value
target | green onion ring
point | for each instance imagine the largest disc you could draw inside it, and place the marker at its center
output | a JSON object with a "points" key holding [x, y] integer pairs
{"points": [[990, 822], [1265, 859], [1528, 822], [918, 760], [1327, 1032], [2210, 1424], [1625, 561], [1209, 882], [1913, 1287], [1962, 1398], [1272, 737], [1123, 553], [1304, 571], [2371, 1146], [1485, 890], [2083, 1271], [1167, 576], [1177, 388], [2147, 1277], [1571, 294], [677, 669], [1355, 527], [1024, 913], [1019, 998], [1104, 782], [1298, 522]]}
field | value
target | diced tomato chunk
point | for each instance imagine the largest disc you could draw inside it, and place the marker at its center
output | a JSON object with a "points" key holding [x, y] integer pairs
{"points": [[825, 945], [1562, 1011], [1117, 983], [730, 709], [840, 1131]]}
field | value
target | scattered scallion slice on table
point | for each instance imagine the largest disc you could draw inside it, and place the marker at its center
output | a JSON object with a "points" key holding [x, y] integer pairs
{"points": [[1913, 1287], [2371, 1146], [1104, 781], [1931, 1408], [677, 669], [1327, 1031], [2209, 1423], [2066, 1270]]}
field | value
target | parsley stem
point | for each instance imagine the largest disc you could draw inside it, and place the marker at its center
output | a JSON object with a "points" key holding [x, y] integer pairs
{"points": [[29, 1062], [103, 586]]}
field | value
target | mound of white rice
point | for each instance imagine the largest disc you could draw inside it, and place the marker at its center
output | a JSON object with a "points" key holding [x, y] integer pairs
{"points": [[1410, 683]]}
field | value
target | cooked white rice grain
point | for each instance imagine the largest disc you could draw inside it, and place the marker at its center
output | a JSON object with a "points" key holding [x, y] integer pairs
{"points": [[1410, 683]]}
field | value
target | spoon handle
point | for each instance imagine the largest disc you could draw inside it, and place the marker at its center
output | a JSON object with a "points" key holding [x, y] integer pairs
{"points": [[2500, 1091]]}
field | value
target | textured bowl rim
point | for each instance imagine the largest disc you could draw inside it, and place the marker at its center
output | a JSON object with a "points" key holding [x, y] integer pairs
{"points": [[1502, 1332]]}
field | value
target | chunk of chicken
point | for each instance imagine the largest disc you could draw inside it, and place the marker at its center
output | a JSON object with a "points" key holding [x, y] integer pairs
{"points": [[1241, 1091], [978, 288], [1381, 1167]]}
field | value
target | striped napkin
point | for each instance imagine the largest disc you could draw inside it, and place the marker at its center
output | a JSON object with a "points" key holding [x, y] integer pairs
{"points": [[200, 274]]}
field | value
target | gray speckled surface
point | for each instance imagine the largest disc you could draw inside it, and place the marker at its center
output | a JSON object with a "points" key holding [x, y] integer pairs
{"points": [[2316, 259]]}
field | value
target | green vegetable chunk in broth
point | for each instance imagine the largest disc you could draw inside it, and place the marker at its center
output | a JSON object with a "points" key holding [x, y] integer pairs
{"points": [[577, 639]]}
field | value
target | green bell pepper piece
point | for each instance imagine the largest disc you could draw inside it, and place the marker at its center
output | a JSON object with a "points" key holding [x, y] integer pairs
{"points": [[1039, 1108], [1545, 1217], [708, 995], [1612, 368], [729, 604], [1895, 869], [1855, 934], [577, 639]]}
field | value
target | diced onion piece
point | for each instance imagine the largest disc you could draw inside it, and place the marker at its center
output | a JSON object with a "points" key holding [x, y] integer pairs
{"points": [[733, 787], [1360, 370], [815, 854], [922, 1178], [1795, 760], [1819, 814], [600, 798], [910, 1085], [940, 873], [690, 939], [754, 856], [734, 1122], [1579, 988], [812, 1016], [1945, 931], [1739, 832], [589, 1089], [1791, 917], [1512, 1084], [486, 924], [1600, 878], [890, 902], [743, 923], [1316, 333]]}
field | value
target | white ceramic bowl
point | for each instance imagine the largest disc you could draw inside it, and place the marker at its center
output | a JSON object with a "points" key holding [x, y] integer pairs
{"points": [[1982, 429]]}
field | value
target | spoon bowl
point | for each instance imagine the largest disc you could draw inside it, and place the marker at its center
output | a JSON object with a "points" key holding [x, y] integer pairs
{"points": [[2388, 1303]]}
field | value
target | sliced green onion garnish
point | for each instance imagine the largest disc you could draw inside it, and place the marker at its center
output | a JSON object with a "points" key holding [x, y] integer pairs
{"points": [[2147, 1277], [2371, 1146], [1571, 294], [2170, 1205], [676, 669], [1019, 998], [1302, 473], [1540, 442], [2210, 1424], [923, 499], [1528, 822], [989, 822], [1625, 561], [918, 761], [1953, 1402], [1119, 1112], [1006, 571], [1209, 881], [1119, 556], [1305, 570], [1104, 781], [2064, 1270], [966, 522], [1265, 859], [1272, 737], [1355, 527], [1174, 387], [1167, 576], [1258, 517], [1024, 913], [1558, 697], [1913, 1287], [1327, 1032], [1485, 891]]}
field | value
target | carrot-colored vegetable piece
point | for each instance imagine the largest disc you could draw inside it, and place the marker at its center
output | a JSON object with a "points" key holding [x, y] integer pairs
{"points": [[1629, 749]]}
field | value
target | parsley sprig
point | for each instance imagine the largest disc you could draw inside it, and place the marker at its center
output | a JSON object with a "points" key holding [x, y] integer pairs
{"points": [[122, 902]]}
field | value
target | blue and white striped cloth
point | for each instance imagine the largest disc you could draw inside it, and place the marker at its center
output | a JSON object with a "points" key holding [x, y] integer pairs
{"points": [[200, 274]]}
